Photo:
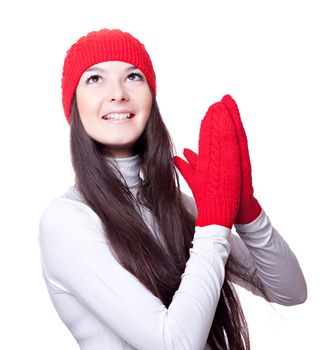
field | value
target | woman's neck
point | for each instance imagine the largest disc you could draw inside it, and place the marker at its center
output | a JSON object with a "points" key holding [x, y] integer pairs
{"points": [[129, 168]]}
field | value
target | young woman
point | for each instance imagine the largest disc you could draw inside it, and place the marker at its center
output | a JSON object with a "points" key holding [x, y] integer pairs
{"points": [[130, 262]]}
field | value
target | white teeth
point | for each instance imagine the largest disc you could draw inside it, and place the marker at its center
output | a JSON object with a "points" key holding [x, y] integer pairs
{"points": [[117, 116]]}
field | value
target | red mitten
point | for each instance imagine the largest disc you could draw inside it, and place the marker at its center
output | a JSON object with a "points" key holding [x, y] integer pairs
{"points": [[215, 176], [249, 208]]}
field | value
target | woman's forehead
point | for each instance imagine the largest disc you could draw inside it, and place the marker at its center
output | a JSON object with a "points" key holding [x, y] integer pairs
{"points": [[109, 65]]}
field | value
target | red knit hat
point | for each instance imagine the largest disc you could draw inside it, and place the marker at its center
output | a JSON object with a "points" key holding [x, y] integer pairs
{"points": [[101, 46]]}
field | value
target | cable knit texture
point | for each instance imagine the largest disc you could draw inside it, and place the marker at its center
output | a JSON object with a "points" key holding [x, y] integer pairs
{"points": [[101, 46], [215, 178], [249, 208]]}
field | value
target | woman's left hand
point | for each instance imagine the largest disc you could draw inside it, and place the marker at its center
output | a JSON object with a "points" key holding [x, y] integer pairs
{"points": [[249, 208]]}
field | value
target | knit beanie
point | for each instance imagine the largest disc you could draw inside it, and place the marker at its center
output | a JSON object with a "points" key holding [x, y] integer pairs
{"points": [[101, 46]]}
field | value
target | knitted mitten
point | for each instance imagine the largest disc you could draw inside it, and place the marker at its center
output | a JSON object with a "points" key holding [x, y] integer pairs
{"points": [[249, 208], [214, 175]]}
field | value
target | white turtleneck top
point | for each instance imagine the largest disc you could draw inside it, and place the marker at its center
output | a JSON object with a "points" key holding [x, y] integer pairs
{"points": [[105, 307]]}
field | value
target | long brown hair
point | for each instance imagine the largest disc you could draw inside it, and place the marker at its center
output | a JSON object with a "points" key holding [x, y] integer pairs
{"points": [[130, 240]]}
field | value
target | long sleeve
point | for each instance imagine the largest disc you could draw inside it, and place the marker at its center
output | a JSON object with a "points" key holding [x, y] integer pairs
{"points": [[269, 256], [77, 261], [264, 253]]}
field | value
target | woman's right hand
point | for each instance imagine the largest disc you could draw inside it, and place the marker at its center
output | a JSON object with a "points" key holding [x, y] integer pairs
{"points": [[214, 175]]}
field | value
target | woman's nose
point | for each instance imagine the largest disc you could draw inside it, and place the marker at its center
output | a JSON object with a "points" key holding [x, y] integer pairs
{"points": [[117, 92]]}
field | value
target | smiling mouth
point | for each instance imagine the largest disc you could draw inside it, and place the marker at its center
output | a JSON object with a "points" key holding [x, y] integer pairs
{"points": [[118, 116]]}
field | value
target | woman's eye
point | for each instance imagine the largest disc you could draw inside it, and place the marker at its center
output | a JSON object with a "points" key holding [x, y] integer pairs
{"points": [[93, 79], [135, 76]]}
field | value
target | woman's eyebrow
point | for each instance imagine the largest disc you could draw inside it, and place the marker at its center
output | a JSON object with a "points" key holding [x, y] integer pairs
{"points": [[131, 68]]}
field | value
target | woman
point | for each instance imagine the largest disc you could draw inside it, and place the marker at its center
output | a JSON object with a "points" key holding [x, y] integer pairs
{"points": [[129, 261]]}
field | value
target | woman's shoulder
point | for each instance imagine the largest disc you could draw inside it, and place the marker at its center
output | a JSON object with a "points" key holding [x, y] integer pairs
{"points": [[69, 209], [70, 200]]}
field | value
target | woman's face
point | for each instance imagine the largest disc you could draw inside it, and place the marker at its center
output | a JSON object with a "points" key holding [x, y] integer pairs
{"points": [[114, 102]]}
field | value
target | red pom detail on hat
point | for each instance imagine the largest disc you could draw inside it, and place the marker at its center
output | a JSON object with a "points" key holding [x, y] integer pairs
{"points": [[101, 46]]}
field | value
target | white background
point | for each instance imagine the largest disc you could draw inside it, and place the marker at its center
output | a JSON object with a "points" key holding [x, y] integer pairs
{"points": [[273, 57]]}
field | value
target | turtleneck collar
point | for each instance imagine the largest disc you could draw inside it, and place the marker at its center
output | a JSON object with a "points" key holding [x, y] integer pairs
{"points": [[130, 169]]}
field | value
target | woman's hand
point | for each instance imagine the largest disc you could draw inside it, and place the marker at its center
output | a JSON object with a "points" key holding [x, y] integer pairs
{"points": [[214, 175], [249, 208]]}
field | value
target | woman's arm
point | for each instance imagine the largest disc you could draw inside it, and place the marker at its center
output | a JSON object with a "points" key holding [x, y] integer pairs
{"points": [[265, 254], [275, 264], [77, 260]]}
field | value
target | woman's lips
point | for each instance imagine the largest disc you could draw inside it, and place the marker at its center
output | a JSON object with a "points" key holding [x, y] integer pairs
{"points": [[118, 116]]}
